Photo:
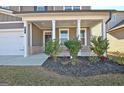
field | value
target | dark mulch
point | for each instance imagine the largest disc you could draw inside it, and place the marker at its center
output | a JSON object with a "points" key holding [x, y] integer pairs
{"points": [[84, 68]]}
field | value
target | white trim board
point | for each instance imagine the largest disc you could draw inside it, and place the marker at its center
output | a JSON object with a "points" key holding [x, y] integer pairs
{"points": [[8, 22], [7, 12], [9, 30]]}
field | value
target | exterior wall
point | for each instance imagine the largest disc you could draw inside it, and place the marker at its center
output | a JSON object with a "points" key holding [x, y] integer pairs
{"points": [[14, 8], [11, 25], [116, 18], [50, 8], [88, 36], [27, 8], [96, 30], [37, 40], [85, 7], [116, 39], [58, 7], [72, 33], [4, 17]]}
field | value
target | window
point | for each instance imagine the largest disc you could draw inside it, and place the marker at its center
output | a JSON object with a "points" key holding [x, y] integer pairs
{"points": [[71, 7], [41, 8], [64, 35], [76, 7], [68, 8]]}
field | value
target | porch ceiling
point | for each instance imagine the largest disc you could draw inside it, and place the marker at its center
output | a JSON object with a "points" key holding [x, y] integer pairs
{"points": [[66, 23]]}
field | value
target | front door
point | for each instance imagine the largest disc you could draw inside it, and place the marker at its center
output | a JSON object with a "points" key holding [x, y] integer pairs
{"points": [[47, 37]]}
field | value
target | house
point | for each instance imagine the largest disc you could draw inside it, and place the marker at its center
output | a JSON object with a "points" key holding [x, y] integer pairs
{"points": [[24, 30], [115, 33]]}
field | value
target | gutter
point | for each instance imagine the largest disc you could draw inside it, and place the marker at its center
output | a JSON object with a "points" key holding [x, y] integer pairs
{"points": [[110, 17], [7, 11]]}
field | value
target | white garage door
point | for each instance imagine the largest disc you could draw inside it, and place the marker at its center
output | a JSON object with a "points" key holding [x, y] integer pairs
{"points": [[11, 43]]}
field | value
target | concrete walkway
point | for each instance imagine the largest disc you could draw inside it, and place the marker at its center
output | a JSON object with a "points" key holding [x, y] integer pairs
{"points": [[34, 60]]}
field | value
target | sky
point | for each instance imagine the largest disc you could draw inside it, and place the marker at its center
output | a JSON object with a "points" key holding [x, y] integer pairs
{"points": [[108, 7]]}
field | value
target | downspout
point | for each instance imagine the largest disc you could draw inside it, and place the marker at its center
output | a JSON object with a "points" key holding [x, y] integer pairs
{"points": [[110, 16]]}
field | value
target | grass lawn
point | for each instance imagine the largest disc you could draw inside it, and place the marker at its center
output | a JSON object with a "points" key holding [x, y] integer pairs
{"points": [[39, 76]]}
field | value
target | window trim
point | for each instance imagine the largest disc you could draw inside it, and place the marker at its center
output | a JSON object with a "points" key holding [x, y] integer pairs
{"points": [[60, 30]]}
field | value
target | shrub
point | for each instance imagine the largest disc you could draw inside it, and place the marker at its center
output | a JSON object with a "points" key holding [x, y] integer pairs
{"points": [[99, 46], [73, 46], [117, 57], [52, 48]]}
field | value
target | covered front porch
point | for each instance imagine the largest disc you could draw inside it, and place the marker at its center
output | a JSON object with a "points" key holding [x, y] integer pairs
{"points": [[39, 29]]}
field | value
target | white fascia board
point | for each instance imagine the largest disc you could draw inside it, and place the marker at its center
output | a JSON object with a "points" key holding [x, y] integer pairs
{"points": [[8, 30], [8, 12], [116, 28]]}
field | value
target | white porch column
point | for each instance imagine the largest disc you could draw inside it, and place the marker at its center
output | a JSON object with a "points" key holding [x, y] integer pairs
{"points": [[25, 38], [104, 33], [53, 29], [78, 29], [31, 42], [85, 37]]}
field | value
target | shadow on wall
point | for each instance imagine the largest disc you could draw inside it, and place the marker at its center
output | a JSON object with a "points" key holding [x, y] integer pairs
{"points": [[118, 34]]}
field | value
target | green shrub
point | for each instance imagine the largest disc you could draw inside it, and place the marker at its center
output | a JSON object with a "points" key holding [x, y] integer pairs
{"points": [[117, 57], [73, 46], [99, 46], [52, 48]]}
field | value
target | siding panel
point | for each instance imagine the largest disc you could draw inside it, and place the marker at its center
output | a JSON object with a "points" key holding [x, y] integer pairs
{"points": [[4, 17], [11, 25]]}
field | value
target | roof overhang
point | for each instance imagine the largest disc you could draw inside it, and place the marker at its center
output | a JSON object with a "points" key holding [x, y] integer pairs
{"points": [[65, 15], [6, 11], [116, 28]]}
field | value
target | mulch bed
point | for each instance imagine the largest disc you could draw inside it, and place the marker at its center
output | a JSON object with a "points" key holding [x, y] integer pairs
{"points": [[84, 68]]}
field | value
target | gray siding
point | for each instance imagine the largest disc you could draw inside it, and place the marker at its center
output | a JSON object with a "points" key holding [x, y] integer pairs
{"points": [[14, 8], [36, 36], [58, 7], [50, 8], [27, 8], [11, 25], [85, 7], [4, 17]]}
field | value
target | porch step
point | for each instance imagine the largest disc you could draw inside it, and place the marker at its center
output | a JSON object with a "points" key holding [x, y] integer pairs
{"points": [[66, 53], [85, 51]]}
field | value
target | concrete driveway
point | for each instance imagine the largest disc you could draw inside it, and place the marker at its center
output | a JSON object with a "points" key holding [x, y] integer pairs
{"points": [[34, 60]]}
